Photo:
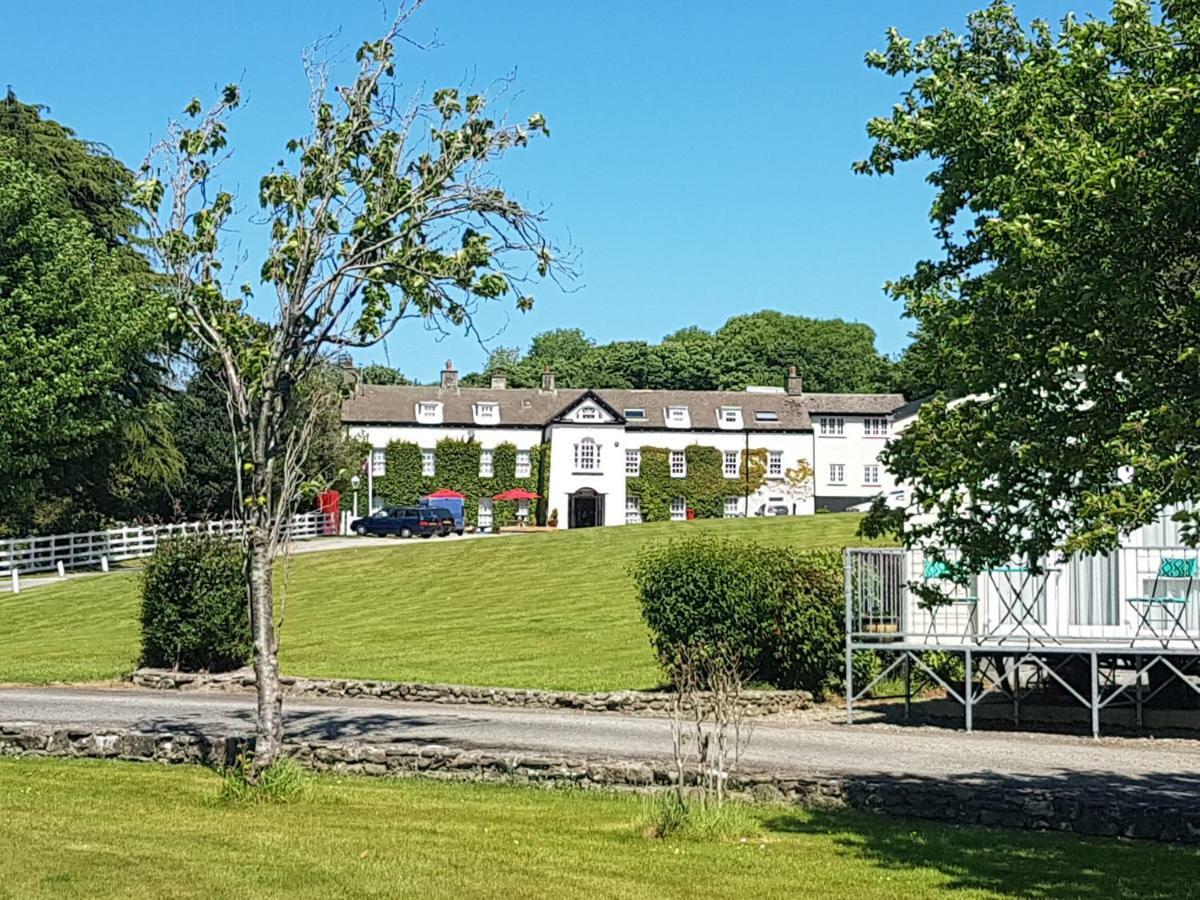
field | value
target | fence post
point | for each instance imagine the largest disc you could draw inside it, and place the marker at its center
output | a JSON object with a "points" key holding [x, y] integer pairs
{"points": [[849, 644]]}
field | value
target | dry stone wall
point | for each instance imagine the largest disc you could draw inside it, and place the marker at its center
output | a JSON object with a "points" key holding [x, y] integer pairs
{"points": [[757, 703], [1080, 811]]}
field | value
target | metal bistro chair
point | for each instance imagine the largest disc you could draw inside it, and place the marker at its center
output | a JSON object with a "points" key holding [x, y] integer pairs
{"points": [[1171, 609], [935, 570]]}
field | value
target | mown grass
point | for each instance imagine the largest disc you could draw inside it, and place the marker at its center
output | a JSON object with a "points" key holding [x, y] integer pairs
{"points": [[108, 829], [550, 610]]}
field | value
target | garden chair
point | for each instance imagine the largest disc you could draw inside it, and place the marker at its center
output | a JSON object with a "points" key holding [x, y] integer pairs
{"points": [[1171, 610], [935, 570]]}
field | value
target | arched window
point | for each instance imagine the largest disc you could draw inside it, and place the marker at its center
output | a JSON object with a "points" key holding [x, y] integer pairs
{"points": [[587, 456]]}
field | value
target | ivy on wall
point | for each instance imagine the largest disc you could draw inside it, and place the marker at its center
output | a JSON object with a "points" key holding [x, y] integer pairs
{"points": [[704, 488], [456, 466]]}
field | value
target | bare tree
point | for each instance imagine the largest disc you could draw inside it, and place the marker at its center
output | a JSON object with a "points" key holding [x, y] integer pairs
{"points": [[709, 726], [384, 211]]}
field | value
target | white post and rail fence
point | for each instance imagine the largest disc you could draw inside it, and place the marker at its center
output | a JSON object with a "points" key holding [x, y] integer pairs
{"points": [[99, 549]]}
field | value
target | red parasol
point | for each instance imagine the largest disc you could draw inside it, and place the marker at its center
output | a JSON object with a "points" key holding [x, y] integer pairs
{"points": [[445, 494], [517, 494]]}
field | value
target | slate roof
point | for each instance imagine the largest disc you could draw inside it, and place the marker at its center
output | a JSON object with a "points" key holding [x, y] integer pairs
{"points": [[395, 405], [704, 405], [854, 404], [374, 404]]}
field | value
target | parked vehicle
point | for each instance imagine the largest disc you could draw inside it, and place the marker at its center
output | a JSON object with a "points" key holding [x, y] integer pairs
{"points": [[773, 509], [451, 505], [892, 499], [442, 516], [404, 521]]}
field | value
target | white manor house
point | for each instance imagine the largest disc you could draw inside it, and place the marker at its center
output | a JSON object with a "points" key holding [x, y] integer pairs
{"points": [[595, 440]]}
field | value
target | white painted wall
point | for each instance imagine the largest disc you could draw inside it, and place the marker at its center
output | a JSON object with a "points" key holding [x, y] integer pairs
{"points": [[854, 450], [608, 480]]}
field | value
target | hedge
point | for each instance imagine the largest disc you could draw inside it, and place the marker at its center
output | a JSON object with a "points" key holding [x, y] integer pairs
{"points": [[779, 611], [456, 466]]}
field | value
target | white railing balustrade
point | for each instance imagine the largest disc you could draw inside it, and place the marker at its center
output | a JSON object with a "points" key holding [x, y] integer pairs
{"points": [[98, 549], [1133, 596]]}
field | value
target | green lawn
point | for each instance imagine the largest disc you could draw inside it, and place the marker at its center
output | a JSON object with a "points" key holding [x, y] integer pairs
{"points": [[111, 829], [549, 610]]}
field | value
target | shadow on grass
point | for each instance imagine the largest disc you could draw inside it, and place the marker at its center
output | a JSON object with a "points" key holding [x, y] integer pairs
{"points": [[1004, 862]]}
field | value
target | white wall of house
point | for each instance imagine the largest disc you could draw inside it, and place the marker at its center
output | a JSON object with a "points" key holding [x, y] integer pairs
{"points": [[850, 451], [606, 478]]}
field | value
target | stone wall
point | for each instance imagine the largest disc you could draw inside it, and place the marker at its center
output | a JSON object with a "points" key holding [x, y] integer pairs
{"points": [[1080, 808], [757, 703]]}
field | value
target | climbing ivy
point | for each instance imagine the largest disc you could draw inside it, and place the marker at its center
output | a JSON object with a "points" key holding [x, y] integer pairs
{"points": [[456, 466], [705, 486]]}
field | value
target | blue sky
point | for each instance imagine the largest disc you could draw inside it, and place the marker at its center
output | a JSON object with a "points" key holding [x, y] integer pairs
{"points": [[699, 158]]}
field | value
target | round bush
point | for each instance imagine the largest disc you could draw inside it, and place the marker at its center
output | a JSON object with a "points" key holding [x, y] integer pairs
{"points": [[779, 611], [194, 611]]}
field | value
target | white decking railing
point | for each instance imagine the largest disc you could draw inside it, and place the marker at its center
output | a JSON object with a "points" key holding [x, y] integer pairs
{"points": [[97, 549], [1122, 599]]}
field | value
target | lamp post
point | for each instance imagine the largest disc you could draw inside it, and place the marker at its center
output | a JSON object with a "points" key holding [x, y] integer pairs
{"points": [[355, 481]]}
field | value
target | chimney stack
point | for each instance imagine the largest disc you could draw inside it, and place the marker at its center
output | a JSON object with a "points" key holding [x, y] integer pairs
{"points": [[449, 377], [795, 384], [499, 381], [547, 379]]}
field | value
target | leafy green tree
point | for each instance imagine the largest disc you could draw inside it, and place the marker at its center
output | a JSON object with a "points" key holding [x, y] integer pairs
{"points": [[372, 222], [92, 181], [1064, 307], [76, 323], [689, 360], [130, 466], [201, 429], [624, 364], [831, 355], [378, 374]]}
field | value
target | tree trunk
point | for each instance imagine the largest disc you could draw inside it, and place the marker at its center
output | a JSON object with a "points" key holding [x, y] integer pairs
{"points": [[269, 732]]}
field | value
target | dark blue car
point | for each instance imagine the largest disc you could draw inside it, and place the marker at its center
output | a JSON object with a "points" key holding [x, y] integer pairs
{"points": [[405, 521]]}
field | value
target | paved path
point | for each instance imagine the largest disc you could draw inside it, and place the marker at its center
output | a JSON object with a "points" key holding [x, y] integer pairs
{"points": [[1136, 765]]}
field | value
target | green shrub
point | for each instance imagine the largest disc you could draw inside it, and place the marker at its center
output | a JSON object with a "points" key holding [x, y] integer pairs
{"points": [[194, 611], [809, 633], [711, 593], [782, 612]]}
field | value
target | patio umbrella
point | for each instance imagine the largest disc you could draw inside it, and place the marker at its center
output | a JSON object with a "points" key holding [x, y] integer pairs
{"points": [[517, 494], [445, 494]]}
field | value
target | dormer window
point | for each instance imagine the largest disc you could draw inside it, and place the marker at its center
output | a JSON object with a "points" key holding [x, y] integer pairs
{"points": [[487, 413], [677, 417], [729, 417], [429, 411]]}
